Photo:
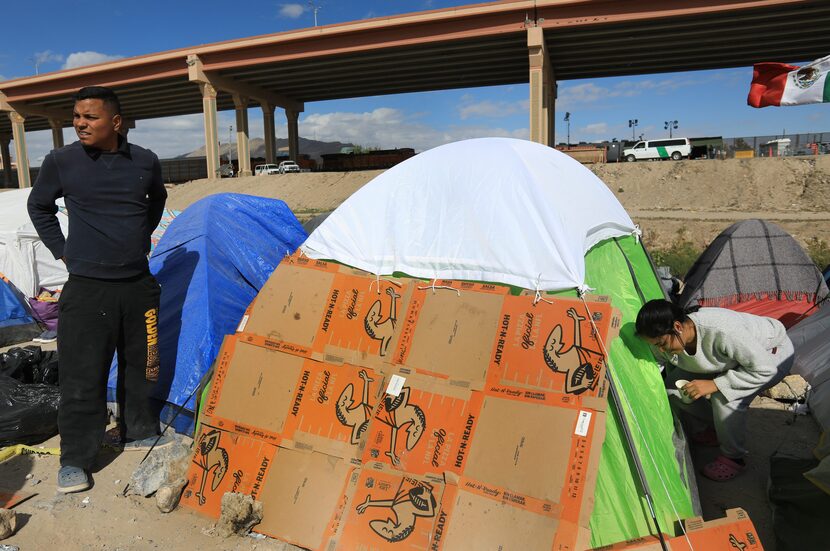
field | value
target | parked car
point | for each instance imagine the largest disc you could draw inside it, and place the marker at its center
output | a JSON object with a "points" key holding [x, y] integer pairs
{"points": [[288, 166], [266, 169], [674, 149]]}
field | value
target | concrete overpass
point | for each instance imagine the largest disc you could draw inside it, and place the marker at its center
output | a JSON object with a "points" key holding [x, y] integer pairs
{"points": [[507, 42]]}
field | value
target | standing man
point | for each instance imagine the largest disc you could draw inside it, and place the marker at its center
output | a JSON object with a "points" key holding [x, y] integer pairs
{"points": [[114, 197]]}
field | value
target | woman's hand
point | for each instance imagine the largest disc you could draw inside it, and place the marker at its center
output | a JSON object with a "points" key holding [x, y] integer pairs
{"points": [[699, 388]]}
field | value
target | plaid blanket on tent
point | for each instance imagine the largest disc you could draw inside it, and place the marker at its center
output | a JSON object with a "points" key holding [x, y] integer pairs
{"points": [[752, 260]]}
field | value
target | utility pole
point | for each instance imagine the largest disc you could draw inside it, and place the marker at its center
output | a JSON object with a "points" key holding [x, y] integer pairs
{"points": [[670, 125], [632, 124], [568, 120]]}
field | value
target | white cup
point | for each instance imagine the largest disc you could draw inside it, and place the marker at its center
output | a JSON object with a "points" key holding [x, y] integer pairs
{"points": [[684, 397]]}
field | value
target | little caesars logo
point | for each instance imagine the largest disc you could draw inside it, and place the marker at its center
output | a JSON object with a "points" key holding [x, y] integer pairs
{"points": [[151, 322]]}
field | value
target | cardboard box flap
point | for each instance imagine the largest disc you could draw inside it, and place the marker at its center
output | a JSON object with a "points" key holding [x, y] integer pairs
{"points": [[422, 425], [390, 511], [552, 346], [225, 462], [514, 439], [476, 515], [733, 532], [450, 334], [333, 313], [292, 401], [303, 497]]}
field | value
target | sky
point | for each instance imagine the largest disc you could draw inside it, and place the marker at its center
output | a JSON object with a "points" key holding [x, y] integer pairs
{"points": [[81, 32]]}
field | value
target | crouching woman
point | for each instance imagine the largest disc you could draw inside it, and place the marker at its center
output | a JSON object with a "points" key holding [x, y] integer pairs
{"points": [[726, 356]]}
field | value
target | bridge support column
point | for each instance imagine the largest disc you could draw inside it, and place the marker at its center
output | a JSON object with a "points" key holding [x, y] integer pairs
{"points": [[243, 150], [211, 131], [57, 133], [24, 179], [293, 134], [542, 89], [270, 130], [6, 159]]}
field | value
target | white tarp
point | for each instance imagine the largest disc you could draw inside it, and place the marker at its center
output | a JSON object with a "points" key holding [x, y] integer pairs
{"points": [[488, 209], [24, 259]]}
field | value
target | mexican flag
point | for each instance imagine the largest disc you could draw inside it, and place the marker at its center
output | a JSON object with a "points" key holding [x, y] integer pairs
{"points": [[782, 84]]}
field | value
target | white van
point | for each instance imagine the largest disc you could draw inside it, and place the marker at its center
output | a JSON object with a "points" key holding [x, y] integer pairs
{"points": [[266, 169], [673, 148]]}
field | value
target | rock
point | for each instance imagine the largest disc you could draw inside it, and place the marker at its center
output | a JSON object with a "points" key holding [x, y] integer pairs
{"points": [[168, 495], [29, 476], [239, 514], [5, 547], [162, 465], [791, 388], [8, 523]]}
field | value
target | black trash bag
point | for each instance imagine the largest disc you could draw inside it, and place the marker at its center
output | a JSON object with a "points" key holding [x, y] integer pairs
{"points": [[28, 413], [30, 364]]}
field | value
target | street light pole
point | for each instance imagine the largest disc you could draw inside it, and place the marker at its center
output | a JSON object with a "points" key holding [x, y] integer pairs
{"points": [[315, 9], [670, 125], [568, 120], [230, 145], [632, 124]]}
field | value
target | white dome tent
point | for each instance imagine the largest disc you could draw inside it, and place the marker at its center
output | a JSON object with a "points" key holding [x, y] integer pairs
{"points": [[509, 211], [513, 212]]}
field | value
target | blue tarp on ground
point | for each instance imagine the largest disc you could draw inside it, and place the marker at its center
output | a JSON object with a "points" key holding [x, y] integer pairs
{"points": [[211, 263]]}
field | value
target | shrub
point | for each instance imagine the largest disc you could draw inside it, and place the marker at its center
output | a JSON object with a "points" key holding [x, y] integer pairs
{"points": [[819, 251], [679, 256]]}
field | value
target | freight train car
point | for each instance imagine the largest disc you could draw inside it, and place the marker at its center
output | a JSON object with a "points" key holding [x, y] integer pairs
{"points": [[370, 160]]}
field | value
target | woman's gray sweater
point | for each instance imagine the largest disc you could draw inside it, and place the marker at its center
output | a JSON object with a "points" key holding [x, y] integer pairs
{"points": [[739, 346]]}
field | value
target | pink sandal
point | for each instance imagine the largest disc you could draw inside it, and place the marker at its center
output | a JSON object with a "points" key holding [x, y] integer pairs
{"points": [[723, 469]]}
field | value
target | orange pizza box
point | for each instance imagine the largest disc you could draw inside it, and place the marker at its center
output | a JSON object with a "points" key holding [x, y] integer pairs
{"points": [[551, 345], [733, 532], [422, 425], [477, 515], [389, 510], [225, 462], [289, 306], [302, 493], [329, 312], [449, 330], [304, 498], [546, 449], [290, 400]]}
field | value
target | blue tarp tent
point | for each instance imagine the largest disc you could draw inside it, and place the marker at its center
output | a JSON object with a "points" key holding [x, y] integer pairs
{"points": [[211, 263], [16, 322]]}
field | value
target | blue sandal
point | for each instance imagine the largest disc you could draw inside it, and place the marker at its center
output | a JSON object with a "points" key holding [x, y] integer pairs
{"points": [[72, 479]]}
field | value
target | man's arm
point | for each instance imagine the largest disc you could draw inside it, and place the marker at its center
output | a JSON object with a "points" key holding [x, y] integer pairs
{"points": [[157, 195], [42, 207]]}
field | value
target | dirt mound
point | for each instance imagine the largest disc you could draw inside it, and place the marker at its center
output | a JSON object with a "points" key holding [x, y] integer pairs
{"points": [[695, 198]]}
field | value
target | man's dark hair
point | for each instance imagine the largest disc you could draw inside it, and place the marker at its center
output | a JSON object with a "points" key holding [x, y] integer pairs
{"points": [[104, 94]]}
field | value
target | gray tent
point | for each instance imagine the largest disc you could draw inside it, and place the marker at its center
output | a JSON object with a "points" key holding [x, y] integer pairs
{"points": [[755, 266]]}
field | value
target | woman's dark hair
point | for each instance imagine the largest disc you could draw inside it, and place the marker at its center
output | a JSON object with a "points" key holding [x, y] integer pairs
{"points": [[104, 94], [656, 318]]}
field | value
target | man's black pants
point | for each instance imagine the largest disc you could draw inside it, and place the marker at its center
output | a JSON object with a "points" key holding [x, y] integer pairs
{"points": [[98, 317]]}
